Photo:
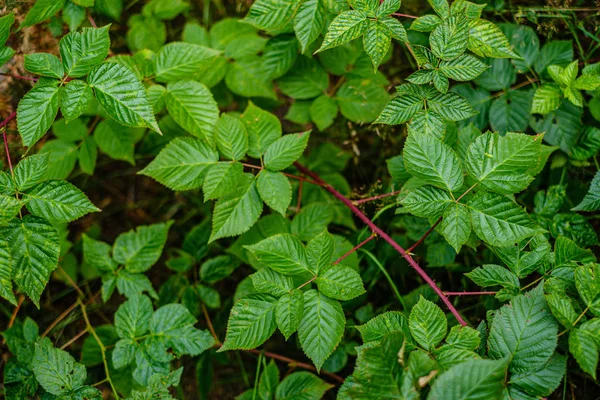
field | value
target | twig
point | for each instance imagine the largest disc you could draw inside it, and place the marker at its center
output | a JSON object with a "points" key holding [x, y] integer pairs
{"points": [[404, 15], [64, 314], [299, 202], [418, 242], [299, 178], [210, 325], [2, 126], [70, 342], [92, 22], [380, 196], [348, 203], [467, 293], [23, 78], [13, 317], [358, 246]]}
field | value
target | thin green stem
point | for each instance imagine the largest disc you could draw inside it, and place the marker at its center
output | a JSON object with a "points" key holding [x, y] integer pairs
{"points": [[576, 321], [260, 358], [387, 276]]}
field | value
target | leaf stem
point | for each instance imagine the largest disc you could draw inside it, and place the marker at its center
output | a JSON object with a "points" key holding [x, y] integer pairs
{"points": [[23, 78], [380, 196], [422, 238], [575, 323], [404, 15], [3, 127], [386, 237], [299, 178], [387, 276], [91, 329], [358, 246], [468, 293], [70, 342], [314, 278], [210, 325]]}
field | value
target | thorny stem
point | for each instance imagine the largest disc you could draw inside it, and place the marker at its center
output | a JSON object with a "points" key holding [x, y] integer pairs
{"points": [[418, 242], [358, 246], [3, 127], [102, 348], [348, 203], [380, 196], [299, 178], [467, 293]]}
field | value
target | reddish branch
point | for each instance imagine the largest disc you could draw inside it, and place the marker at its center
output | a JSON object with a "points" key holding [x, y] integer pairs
{"points": [[23, 78], [2, 126], [348, 203], [404, 15], [467, 293], [418, 242], [380, 196], [358, 246]]}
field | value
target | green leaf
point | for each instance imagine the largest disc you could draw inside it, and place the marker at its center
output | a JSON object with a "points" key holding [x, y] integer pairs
{"points": [[584, 348], [510, 113], [246, 77], [251, 322], [55, 370], [88, 154], [323, 111], [498, 220], [503, 163], [301, 385], [377, 328], [75, 99], [427, 324], [115, 140], [340, 283], [182, 164], [231, 137], [309, 22], [487, 40], [275, 190], [97, 254], [426, 23], [377, 42], [266, 280], [546, 98], [451, 106], [133, 317], [524, 333], [449, 39], [122, 96], [6, 22], [311, 220], [567, 253], [321, 328], [347, 26], [6, 53], [427, 201], [361, 100], [456, 225], [440, 7], [174, 325], [319, 251], [220, 267], [44, 64], [6, 289], [271, 15], [183, 61], [279, 55], [562, 309], [428, 122], [140, 249], [288, 312], [464, 337], [433, 161], [30, 171], [494, 275], [283, 253], [82, 51], [544, 381], [192, 106], [587, 281], [263, 129], [58, 201], [400, 109], [124, 352], [464, 68], [221, 179], [591, 201], [470, 380], [34, 248], [285, 150], [41, 11], [37, 110], [306, 80], [235, 213]]}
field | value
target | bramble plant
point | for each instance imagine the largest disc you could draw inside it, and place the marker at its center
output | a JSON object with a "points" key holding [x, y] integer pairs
{"points": [[184, 201]]}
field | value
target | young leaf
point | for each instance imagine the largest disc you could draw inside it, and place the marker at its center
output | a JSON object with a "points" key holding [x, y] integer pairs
{"points": [[345, 27], [377, 42], [182, 164], [133, 316], [251, 322], [340, 283], [285, 150], [82, 51], [275, 190], [37, 110], [427, 324], [122, 96], [44, 64], [433, 161], [140, 249], [449, 39], [75, 99], [321, 328], [283, 253], [263, 129], [377, 328], [34, 248], [288, 312], [55, 370], [58, 201], [231, 137]]}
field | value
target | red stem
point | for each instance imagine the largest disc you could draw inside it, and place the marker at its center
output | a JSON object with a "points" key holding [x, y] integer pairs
{"points": [[25, 78], [358, 246], [380, 196], [92, 22], [418, 242], [2, 126], [467, 293], [404, 15], [348, 203]]}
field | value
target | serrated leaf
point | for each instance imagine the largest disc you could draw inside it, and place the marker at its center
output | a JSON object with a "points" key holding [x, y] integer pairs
{"points": [[323, 111], [562, 309], [584, 348], [544, 381], [271, 14], [37, 110], [246, 77], [524, 332], [464, 337], [377, 41], [41, 11], [587, 281], [124, 353], [449, 39], [285, 150], [283, 253], [58, 201], [456, 225], [192, 106], [487, 40], [427, 201], [377, 328], [82, 51], [591, 201], [463, 68], [347, 26], [75, 99], [498, 220], [263, 129], [288, 312], [319, 251], [470, 380], [428, 122], [275, 190], [133, 317], [279, 55], [44, 64], [221, 179], [97, 254], [6, 289], [361, 100], [251, 322], [182, 164], [494, 275], [312, 220], [56, 371], [266, 280], [30, 171], [34, 247], [425, 23], [309, 22], [340, 283], [122, 96], [433, 161], [235, 213], [511, 112], [140, 249], [321, 328], [546, 98], [115, 140], [400, 109], [301, 386], [231, 137], [182, 61], [6, 22], [427, 324], [451, 106], [504, 164]]}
